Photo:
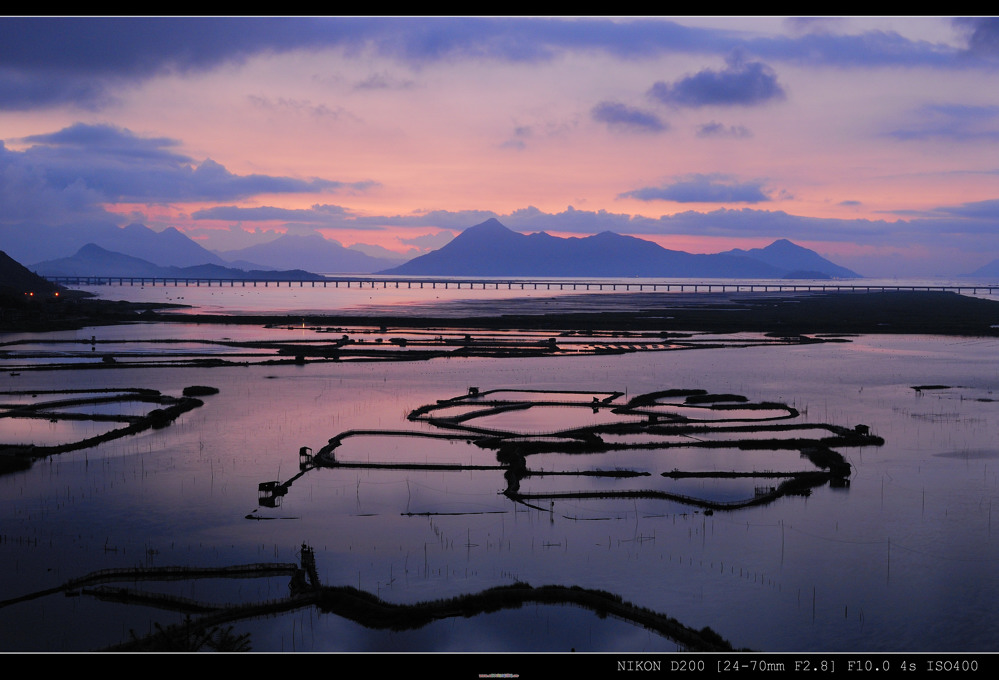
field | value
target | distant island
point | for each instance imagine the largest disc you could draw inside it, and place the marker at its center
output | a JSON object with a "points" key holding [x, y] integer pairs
{"points": [[491, 249]]}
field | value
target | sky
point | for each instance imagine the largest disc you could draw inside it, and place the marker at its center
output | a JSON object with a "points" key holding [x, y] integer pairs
{"points": [[872, 140]]}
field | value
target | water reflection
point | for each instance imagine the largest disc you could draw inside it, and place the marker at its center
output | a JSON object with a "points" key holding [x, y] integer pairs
{"points": [[900, 561]]}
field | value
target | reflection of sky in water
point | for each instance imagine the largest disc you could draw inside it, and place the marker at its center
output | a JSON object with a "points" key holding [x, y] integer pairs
{"points": [[412, 449], [44, 432], [657, 461], [901, 560], [547, 419]]}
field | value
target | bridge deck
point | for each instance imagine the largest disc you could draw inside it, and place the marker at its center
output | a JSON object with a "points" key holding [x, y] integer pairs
{"points": [[526, 284]]}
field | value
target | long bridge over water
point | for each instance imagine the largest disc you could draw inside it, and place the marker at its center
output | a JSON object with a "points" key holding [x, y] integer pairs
{"points": [[673, 285]]}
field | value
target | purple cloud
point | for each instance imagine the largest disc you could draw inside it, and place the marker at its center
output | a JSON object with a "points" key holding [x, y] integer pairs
{"points": [[118, 165], [714, 129], [703, 189], [739, 84], [620, 117], [84, 61]]}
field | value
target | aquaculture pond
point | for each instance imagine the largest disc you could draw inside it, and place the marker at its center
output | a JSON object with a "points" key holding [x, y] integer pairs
{"points": [[646, 479]]}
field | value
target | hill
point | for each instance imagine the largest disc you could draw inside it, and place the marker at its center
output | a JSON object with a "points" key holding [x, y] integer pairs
{"points": [[32, 243], [796, 260], [491, 249], [92, 260], [16, 279]]}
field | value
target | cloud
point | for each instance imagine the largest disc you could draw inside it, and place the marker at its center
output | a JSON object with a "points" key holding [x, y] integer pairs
{"points": [[739, 84], [383, 81], [109, 141], [703, 189], [714, 129], [26, 194], [298, 106], [428, 242], [982, 34], [68, 175], [119, 166], [807, 25], [318, 213], [952, 122], [85, 61], [976, 210], [620, 117]]}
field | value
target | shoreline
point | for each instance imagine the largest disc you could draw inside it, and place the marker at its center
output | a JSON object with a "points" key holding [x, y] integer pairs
{"points": [[906, 312], [942, 313]]}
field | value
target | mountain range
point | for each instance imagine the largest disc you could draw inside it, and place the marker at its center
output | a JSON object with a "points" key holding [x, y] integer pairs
{"points": [[92, 260], [38, 243], [486, 249], [491, 249]]}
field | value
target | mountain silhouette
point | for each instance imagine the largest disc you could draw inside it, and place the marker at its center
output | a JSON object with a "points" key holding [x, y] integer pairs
{"points": [[92, 260], [16, 279], [491, 249], [990, 270], [793, 258], [311, 252]]}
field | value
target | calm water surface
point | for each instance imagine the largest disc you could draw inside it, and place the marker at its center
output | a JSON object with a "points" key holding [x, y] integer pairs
{"points": [[901, 560]]}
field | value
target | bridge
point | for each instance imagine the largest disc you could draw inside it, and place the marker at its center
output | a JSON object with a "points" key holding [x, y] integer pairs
{"points": [[445, 283]]}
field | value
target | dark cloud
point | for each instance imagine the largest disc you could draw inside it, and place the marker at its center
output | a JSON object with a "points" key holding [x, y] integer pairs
{"points": [[80, 60], [27, 195], [85, 61], [982, 34], [714, 129], [871, 49], [81, 166], [739, 84], [108, 141], [977, 210], [620, 117], [703, 189]]}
